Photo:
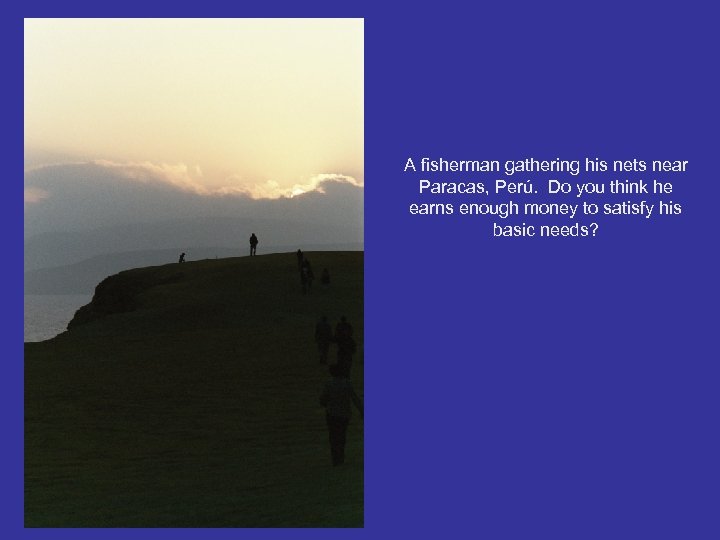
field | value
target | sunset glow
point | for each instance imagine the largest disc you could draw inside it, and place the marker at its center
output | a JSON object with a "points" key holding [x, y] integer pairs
{"points": [[263, 107]]}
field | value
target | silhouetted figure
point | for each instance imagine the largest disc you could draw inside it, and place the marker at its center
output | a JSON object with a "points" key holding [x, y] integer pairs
{"points": [[338, 397], [300, 260], [325, 277], [253, 244], [343, 330], [304, 279], [323, 337], [182, 258], [309, 276], [346, 345]]}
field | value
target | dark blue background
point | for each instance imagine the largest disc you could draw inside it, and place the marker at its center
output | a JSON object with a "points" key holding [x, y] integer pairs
{"points": [[515, 388]]}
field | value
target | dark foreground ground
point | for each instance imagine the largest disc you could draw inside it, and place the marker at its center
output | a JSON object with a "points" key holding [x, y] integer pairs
{"points": [[195, 403]]}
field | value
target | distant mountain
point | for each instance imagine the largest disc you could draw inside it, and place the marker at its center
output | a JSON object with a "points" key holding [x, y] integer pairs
{"points": [[52, 249], [76, 212]]}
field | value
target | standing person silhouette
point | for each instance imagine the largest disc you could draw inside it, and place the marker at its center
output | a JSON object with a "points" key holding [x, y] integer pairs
{"points": [[182, 258], [338, 397], [253, 244]]}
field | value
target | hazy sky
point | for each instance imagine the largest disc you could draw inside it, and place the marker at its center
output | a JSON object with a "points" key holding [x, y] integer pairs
{"points": [[261, 105]]}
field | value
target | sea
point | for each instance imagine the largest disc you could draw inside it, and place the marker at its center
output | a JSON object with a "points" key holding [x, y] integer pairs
{"points": [[47, 315]]}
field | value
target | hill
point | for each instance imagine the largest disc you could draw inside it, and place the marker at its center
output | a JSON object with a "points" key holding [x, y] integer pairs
{"points": [[186, 395], [81, 277]]}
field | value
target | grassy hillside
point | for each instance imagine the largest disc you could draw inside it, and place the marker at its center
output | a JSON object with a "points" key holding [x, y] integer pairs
{"points": [[188, 397]]}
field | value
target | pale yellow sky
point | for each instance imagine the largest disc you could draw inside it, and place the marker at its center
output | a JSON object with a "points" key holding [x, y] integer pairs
{"points": [[253, 104]]}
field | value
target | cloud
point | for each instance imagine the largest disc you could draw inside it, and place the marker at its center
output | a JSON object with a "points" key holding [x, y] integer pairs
{"points": [[90, 195], [177, 175], [35, 195], [272, 190], [190, 179]]}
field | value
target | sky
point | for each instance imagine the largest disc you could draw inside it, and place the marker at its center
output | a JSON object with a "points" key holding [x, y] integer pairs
{"points": [[263, 107]]}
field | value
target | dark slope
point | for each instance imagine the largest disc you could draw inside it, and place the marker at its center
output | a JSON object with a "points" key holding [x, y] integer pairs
{"points": [[186, 395]]}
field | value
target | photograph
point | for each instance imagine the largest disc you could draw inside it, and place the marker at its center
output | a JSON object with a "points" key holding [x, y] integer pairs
{"points": [[193, 273]]}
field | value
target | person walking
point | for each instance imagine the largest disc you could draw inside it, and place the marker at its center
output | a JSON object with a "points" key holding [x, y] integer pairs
{"points": [[325, 278], [308, 272], [338, 397]]}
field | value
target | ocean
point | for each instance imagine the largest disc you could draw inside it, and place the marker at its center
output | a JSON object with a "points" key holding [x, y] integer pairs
{"points": [[47, 315]]}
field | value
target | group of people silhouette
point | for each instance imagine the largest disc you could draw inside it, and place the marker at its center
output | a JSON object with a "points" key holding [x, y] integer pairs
{"points": [[307, 276], [338, 396], [342, 337]]}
